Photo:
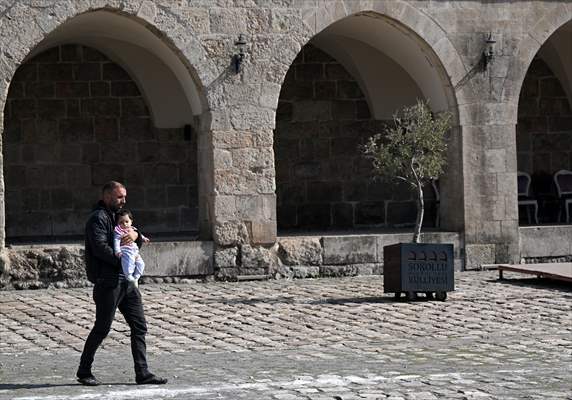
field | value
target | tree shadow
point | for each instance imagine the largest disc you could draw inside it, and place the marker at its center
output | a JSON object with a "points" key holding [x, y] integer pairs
{"points": [[353, 300], [290, 300], [381, 299]]}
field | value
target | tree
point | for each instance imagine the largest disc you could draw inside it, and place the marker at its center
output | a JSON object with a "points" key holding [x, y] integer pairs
{"points": [[411, 150]]}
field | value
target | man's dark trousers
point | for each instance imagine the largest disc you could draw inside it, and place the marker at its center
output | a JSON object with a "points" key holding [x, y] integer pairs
{"points": [[108, 297]]}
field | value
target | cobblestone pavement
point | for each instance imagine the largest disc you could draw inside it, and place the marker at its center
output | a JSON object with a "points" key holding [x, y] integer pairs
{"points": [[307, 339]]}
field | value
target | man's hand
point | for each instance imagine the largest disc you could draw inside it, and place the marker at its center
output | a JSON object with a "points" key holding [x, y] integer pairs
{"points": [[128, 238], [118, 255]]}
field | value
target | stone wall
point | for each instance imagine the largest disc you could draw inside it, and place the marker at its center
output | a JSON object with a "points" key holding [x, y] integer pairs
{"points": [[439, 43], [319, 256], [323, 180], [44, 266], [544, 131], [544, 137], [61, 266], [75, 120], [38, 268]]}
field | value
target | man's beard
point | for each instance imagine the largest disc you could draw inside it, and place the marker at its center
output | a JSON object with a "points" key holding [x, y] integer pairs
{"points": [[115, 207]]}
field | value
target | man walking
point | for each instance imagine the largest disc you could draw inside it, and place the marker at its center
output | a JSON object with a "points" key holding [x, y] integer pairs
{"points": [[112, 291]]}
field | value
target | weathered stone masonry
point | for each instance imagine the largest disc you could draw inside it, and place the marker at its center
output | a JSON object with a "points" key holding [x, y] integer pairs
{"points": [[75, 120], [435, 46], [323, 181]]}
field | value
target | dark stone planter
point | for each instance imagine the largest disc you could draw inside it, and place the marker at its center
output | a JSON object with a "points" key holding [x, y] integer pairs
{"points": [[413, 268]]}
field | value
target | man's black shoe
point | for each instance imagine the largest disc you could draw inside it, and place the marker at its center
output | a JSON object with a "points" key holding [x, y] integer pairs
{"points": [[88, 380], [150, 380]]}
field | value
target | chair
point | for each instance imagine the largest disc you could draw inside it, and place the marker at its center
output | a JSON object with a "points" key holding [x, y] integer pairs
{"points": [[524, 198], [563, 182]]}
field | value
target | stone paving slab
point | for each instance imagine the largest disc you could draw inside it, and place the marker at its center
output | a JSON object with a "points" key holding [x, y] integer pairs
{"points": [[307, 339]]}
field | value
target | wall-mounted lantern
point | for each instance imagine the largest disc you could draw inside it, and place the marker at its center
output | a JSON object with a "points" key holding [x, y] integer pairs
{"points": [[238, 58], [489, 52]]}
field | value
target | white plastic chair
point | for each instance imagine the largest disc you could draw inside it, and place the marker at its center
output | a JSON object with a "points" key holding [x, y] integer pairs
{"points": [[524, 198], [563, 182]]}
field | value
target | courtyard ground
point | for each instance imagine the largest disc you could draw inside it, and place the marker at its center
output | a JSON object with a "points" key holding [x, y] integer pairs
{"points": [[339, 338]]}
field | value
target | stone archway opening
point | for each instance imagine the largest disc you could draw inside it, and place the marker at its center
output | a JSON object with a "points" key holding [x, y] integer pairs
{"points": [[544, 128], [343, 86], [101, 98]]}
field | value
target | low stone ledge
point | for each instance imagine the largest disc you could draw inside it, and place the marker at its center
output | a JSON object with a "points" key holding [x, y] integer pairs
{"points": [[300, 251], [62, 266], [181, 258], [537, 242], [258, 257], [40, 268], [226, 257], [226, 274], [331, 271], [478, 255], [345, 250], [302, 272]]}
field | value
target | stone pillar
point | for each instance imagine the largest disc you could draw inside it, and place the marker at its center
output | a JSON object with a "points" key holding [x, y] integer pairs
{"points": [[242, 207], [490, 186], [2, 191], [4, 82], [244, 200], [451, 185], [205, 176]]}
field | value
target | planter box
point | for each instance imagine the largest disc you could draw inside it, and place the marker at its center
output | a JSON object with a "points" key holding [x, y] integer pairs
{"points": [[412, 268]]}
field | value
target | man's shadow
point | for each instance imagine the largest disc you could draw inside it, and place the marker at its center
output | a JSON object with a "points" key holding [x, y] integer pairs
{"points": [[16, 386]]}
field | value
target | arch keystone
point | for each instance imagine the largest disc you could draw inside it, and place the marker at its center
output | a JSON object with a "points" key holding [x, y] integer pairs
{"points": [[147, 11]]}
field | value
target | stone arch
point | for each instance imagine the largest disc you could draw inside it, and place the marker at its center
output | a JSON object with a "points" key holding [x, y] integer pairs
{"points": [[529, 45], [445, 66], [50, 22], [403, 16], [544, 118], [165, 25]]}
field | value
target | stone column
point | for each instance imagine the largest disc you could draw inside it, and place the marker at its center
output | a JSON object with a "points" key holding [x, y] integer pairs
{"points": [[205, 176], [242, 208], [244, 200], [6, 72], [490, 185], [2, 191], [451, 185]]}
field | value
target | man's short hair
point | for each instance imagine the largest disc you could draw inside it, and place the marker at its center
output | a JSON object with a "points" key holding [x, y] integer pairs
{"points": [[111, 186]]}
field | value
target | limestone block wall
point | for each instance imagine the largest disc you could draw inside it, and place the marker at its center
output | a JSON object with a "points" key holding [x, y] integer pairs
{"points": [[544, 130], [319, 256], [323, 181], [237, 111], [58, 266], [75, 120], [543, 138]]}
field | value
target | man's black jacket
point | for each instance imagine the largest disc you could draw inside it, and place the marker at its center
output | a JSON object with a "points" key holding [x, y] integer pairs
{"points": [[102, 266]]}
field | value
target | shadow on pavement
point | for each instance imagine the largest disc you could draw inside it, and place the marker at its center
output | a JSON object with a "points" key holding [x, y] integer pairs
{"points": [[289, 300], [16, 386], [4, 386], [539, 283], [372, 300]]}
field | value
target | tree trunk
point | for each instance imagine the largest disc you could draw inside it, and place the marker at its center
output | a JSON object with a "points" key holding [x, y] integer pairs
{"points": [[420, 212]]}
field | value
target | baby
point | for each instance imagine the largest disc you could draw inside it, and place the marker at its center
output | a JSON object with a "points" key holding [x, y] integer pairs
{"points": [[131, 262]]}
